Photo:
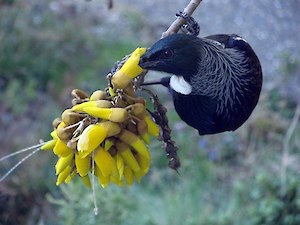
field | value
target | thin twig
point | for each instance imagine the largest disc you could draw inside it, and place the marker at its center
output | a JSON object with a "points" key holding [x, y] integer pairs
{"points": [[176, 25], [286, 147]]}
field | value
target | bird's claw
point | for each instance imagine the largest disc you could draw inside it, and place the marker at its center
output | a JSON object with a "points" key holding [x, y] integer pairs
{"points": [[190, 27]]}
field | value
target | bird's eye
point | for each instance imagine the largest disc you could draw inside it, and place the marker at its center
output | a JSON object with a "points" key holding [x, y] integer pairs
{"points": [[167, 54]]}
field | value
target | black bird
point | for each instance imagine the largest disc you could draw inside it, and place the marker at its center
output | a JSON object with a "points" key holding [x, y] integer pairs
{"points": [[216, 80]]}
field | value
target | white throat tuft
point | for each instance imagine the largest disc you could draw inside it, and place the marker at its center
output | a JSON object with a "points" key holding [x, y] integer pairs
{"points": [[178, 84]]}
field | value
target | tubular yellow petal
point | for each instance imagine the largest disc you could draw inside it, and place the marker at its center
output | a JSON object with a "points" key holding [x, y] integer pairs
{"points": [[153, 128], [83, 165], [61, 124], [54, 134], [103, 180], [63, 175], [108, 144], [140, 51], [129, 159], [61, 149], [98, 103], [104, 161], [118, 115], [128, 175], [135, 142], [103, 113], [49, 145], [120, 164], [86, 181], [70, 177], [63, 162], [129, 70], [117, 181], [90, 139], [111, 128], [119, 81], [146, 138], [115, 172], [131, 67], [144, 163], [138, 175]]}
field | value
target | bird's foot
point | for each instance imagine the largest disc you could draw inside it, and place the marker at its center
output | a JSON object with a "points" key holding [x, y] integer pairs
{"points": [[190, 27]]}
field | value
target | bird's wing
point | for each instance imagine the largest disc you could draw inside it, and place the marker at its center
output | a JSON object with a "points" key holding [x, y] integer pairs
{"points": [[197, 111], [222, 38]]}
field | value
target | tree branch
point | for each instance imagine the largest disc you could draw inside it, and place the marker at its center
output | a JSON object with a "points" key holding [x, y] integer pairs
{"points": [[176, 25]]}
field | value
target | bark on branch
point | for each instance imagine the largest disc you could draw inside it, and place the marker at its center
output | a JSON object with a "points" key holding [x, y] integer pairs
{"points": [[176, 25]]}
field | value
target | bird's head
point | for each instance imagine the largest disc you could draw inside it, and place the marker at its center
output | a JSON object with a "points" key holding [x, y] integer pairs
{"points": [[176, 54]]}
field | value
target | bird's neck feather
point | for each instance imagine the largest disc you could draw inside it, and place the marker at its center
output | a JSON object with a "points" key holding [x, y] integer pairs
{"points": [[221, 74], [180, 85]]}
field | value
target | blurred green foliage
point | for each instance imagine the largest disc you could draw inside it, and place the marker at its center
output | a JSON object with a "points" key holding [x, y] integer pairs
{"points": [[39, 48], [226, 179]]}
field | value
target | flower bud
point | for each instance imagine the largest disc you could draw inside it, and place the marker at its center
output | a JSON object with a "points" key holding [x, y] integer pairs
{"points": [[70, 117], [79, 94], [98, 95]]}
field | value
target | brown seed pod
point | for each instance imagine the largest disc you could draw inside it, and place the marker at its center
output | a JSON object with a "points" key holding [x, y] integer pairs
{"points": [[129, 90], [132, 127], [142, 127], [79, 94], [98, 95], [137, 109], [70, 117], [76, 101], [113, 150], [65, 133], [56, 122], [140, 100]]}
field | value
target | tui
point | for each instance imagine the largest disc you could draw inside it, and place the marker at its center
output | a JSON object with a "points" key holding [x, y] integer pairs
{"points": [[215, 82]]}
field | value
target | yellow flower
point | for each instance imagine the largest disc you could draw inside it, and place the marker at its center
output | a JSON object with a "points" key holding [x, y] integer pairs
{"points": [[94, 135], [61, 149], [129, 70], [63, 162], [105, 135], [91, 138]]}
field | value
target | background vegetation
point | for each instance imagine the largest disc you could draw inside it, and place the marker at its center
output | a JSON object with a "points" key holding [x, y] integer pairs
{"points": [[47, 48]]}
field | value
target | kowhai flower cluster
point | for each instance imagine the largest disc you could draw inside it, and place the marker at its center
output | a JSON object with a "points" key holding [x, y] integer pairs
{"points": [[105, 134]]}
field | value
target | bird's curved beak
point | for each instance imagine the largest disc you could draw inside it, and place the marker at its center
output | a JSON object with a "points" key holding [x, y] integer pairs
{"points": [[146, 62]]}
